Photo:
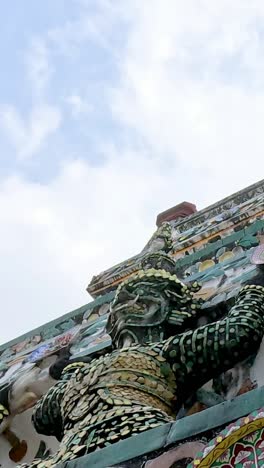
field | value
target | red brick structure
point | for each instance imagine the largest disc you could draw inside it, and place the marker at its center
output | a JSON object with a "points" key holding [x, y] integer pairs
{"points": [[182, 210]]}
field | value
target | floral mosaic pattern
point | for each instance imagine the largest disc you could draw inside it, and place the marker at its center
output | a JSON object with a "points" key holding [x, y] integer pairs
{"points": [[241, 445]]}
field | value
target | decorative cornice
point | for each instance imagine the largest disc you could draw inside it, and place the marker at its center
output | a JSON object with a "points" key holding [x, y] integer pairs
{"points": [[73, 315], [109, 279], [219, 207]]}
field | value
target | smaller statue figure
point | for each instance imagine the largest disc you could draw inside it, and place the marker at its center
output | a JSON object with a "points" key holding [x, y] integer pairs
{"points": [[21, 393], [15, 398]]}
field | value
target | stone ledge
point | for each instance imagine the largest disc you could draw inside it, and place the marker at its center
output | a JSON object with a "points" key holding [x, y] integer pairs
{"points": [[164, 436]]}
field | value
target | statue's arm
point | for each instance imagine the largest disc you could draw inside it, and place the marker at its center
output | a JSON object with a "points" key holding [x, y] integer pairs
{"points": [[47, 417], [197, 356]]}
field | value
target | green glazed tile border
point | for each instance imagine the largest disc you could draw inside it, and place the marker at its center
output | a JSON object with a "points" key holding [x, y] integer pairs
{"points": [[168, 434]]}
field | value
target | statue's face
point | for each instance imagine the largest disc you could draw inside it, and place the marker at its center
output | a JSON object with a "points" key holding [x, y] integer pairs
{"points": [[148, 301], [137, 314]]}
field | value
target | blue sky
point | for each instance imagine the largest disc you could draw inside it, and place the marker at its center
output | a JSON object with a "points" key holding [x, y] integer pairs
{"points": [[110, 112], [39, 55]]}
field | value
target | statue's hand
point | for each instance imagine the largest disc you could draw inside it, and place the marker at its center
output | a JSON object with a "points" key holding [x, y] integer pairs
{"points": [[181, 318], [184, 305]]}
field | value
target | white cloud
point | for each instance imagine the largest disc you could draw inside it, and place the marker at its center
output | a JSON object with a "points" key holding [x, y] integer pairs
{"points": [[93, 25], [191, 81], [29, 132], [38, 66], [28, 135], [78, 105]]}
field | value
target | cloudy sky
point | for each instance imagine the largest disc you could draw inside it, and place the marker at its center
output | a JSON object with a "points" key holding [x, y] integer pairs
{"points": [[110, 112]]}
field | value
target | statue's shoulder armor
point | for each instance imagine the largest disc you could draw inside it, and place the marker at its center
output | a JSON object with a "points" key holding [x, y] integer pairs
{"points": [[3, 412], [72, 368]]}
